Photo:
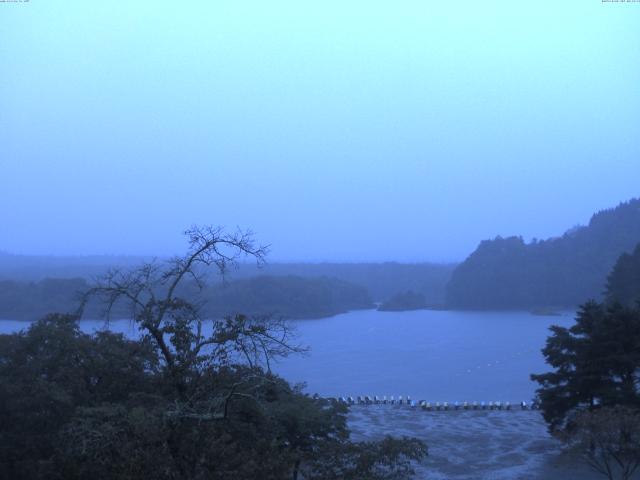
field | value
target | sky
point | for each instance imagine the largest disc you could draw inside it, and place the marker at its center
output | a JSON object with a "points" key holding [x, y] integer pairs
{"points": [[336, 131]]}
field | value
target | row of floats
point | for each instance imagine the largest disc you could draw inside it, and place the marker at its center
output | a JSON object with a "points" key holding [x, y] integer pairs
{"points": [[424, 405]]}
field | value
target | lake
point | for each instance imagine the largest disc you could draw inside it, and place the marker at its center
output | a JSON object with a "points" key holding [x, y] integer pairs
{"points": [[427, 354], [436, 356]]}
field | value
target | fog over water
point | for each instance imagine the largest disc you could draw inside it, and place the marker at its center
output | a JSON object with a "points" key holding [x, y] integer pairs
{"points": [[360, 131]]}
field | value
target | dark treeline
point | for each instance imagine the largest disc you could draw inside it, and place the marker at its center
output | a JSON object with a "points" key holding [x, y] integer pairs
{"points": [[382, 280], [286, 296], [623, 284], [564, 271], [177, 403], [404, 301], [591, 398], [33, 268]]}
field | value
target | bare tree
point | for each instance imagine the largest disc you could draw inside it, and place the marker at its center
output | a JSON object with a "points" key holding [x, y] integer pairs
{"points": [[609, 440], [187, 342]]}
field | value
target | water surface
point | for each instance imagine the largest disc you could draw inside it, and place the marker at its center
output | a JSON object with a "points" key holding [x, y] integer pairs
{"points": [[433, 355]]}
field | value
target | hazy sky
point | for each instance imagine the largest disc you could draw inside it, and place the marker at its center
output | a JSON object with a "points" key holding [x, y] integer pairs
{"points": [[335, 130]]}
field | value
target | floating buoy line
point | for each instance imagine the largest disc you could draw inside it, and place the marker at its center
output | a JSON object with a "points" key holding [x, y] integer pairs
{"points": [[434, 406]]}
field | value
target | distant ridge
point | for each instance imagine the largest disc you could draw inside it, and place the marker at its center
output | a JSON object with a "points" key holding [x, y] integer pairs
{"points": [[506, 273]]}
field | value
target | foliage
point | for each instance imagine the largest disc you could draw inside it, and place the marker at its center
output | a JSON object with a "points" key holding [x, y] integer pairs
{"points": [[192, 399], [287, 296], [623, 283], [509, 273], [596, 363], [33, 300], [284, 296], [609, 440], [381, 280], [404, 301]]}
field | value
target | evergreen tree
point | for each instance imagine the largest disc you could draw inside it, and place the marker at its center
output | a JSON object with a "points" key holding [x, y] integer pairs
{"points": [[596, 363], [623, 283]]}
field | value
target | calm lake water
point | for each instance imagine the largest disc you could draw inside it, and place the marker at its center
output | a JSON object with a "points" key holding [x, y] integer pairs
{"points": [[433, 355]]}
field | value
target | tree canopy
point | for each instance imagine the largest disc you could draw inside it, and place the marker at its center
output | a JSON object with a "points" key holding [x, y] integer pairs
{"points": [[596, 363], [191, 399], [564, 271], [623, 283]]}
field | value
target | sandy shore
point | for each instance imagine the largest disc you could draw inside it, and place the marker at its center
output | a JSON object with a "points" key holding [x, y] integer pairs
{"points": [[496, 445]]}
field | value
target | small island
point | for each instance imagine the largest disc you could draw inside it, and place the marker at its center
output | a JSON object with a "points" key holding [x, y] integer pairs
{"points": [[408, 300]]}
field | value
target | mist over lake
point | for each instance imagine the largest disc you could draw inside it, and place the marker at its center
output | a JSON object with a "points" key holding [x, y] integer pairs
{"points": [[232, 232]]}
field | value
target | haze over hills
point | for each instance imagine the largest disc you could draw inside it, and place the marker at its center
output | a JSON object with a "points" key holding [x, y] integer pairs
{"points": [[278, 296], [381, 280], [507, 273], [31, 286], [503, 273]]}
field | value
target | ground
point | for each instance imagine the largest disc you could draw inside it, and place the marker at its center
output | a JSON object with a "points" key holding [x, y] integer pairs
{"points": [[492, 445]]}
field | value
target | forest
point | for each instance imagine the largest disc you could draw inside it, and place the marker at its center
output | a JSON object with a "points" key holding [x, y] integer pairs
{"points": [[508, 273]]}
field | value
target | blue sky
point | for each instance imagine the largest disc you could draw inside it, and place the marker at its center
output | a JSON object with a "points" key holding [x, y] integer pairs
{"points": [[341, 131]]}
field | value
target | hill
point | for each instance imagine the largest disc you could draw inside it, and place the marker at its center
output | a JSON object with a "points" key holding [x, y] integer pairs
{"points": [[404, 301], [286, 296], [382, 280], [508, 273], [623, 283]]}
